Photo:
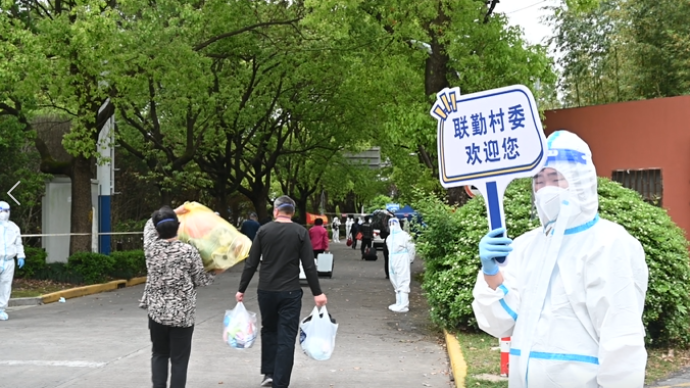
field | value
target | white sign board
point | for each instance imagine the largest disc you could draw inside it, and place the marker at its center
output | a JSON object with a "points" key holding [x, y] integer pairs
{"points": [[486, 140], [392, 207]]}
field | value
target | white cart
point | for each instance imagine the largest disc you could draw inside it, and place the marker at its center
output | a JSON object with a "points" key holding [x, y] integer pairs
{"points": [[324, 266]]}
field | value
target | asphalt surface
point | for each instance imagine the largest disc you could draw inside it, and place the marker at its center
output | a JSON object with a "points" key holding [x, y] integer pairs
{"points": [[102, 340], [680, 379]]}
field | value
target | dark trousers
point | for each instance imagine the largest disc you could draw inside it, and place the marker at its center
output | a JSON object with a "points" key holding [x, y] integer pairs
{"points": [[354, 242], [279, 323], [385, 257], [170, 344], [317, 251], [366, 242]]}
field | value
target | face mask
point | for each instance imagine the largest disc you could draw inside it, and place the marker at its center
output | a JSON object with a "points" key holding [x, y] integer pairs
{"points": [[4, 216], [548, 201]]}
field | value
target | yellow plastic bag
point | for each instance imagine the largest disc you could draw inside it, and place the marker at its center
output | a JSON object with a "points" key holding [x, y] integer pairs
{"points": [[221, 245]]}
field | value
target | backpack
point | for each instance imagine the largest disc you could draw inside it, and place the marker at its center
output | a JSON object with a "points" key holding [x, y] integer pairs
{"points": [[369, 254]]}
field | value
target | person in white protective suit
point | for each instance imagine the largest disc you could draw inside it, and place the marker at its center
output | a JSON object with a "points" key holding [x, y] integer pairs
{"points": [[10, 247], [401, 251], [571, 293], [335, 226], [348, 227]]}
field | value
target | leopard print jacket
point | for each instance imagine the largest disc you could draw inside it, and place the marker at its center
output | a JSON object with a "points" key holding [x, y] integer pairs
{"points": [[175, 270]]}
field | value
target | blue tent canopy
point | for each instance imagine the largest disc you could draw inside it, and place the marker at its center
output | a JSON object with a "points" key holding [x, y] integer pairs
{"points": [[406, 210]]}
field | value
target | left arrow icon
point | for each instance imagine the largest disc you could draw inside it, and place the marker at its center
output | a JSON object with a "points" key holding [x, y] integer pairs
{"points": [[13, 198]]}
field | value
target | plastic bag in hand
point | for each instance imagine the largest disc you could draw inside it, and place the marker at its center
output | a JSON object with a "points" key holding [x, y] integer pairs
{"points": [[317, 334], [239, 327], [220, 245]]}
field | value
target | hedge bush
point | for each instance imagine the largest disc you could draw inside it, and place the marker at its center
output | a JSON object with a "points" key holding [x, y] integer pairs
{"points": [[93, 267], [35, 262], [449, 246], [128, 264], [83, 267]]}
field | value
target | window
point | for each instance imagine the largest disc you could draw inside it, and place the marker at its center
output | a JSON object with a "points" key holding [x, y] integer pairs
{"points": [[646, 182]]}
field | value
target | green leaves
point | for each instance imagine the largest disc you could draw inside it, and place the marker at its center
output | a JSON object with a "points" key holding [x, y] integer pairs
{"points": [[615, 50]]}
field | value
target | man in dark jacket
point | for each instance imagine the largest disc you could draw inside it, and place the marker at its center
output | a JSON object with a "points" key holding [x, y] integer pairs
{"points": [[283, 245], [380, 222], [250, 226], [355, 228], [367, 234]]}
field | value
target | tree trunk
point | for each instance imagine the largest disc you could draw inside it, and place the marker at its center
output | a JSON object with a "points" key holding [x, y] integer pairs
{"points": [[222, 205], [81, 205], [166, 196], [302, 209], [260, 203]]}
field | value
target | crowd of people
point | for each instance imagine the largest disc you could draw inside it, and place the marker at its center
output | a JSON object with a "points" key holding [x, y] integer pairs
{"points": [[577, 283], [175, 271]]}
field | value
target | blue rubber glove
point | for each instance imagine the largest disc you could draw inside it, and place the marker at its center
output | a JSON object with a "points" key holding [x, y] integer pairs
{"points": [[493, 245], [20, 262]]}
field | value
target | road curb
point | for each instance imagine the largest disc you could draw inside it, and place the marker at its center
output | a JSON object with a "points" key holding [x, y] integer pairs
{"points": [[76, 292], [92, 289], [457, 360], [136, 281], [82, 291]]}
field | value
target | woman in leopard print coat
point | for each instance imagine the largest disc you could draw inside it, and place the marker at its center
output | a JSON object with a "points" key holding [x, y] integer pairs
{"points": [[175, 271]]}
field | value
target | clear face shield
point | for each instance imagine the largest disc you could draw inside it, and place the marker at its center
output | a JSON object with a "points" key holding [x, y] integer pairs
{"points": [[394, 225], [568, 176], [4, 211]]}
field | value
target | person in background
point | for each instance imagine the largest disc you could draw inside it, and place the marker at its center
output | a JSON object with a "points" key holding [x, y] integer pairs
{"points": [[174, 272], [384, 233], [10, 247], [348, 228], [354, 229], [250, 226], [367, 235], [283, 245], [402, 252], [335, 226], [319, 237], [577, 284]]}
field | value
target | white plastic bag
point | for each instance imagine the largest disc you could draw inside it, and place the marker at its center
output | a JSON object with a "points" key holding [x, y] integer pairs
{"points": [[239, 327], [317, 334]]}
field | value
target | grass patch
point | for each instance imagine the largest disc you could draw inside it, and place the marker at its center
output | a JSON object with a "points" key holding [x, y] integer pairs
{"points": [[661, 363], [480, 359], [27, 288]]}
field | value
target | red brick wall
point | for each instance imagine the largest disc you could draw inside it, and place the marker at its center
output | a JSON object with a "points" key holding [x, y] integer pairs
{"points": [[638, 135]]}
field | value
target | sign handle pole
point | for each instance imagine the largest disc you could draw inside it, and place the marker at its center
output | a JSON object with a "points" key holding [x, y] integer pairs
{"points": [[494, 206]]}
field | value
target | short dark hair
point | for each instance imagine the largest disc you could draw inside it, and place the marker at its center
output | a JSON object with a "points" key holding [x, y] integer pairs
{"points": [[367, 219], [166, 222], [253, 215], [285, 205], [318, 221]]}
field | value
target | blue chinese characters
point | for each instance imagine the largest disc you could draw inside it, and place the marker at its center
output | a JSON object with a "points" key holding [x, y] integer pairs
{"points": [[494, 150]]}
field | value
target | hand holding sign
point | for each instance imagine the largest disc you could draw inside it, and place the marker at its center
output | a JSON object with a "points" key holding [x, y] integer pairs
{"points": [[487, 139]]}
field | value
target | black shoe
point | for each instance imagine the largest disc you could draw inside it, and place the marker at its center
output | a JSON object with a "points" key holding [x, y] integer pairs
{"points": [[267, 381]]}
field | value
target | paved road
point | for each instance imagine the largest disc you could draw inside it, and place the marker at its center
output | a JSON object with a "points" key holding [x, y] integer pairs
{"points": [[682, 379], [102, 340]]}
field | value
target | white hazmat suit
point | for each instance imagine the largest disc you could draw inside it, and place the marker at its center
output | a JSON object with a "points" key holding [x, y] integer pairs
{"points": [[336, 229], [348, 227], [573, 291], [10, 247], [401, 251]]}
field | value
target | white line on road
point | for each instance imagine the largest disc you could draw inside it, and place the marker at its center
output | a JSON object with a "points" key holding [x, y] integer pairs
{"points": [[69, 364]]}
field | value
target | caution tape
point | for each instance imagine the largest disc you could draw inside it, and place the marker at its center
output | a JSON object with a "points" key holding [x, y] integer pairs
{"points": [[81, 234]]}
